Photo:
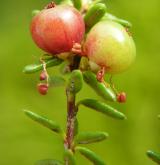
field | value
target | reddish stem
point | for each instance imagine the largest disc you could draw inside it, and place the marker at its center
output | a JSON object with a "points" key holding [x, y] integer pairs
{"points": [[70, 119]]}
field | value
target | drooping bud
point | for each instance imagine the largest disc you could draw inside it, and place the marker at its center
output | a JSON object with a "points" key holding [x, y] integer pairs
{"points": [[42, 88], [100, 74], [121, 97], [43, 76]]}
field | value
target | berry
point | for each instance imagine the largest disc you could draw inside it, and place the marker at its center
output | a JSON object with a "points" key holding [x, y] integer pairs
{"points": [[56, 29], [121, 97], [42, 88], [109, 45]]}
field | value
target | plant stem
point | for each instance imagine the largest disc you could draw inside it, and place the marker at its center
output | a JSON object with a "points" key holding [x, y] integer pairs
{"points": [[71, 111], [70, 118]]}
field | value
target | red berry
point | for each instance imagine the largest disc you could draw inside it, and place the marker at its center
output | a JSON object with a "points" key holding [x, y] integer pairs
{"points": [[121, 97], [43, 76], [42, 88], [56, 29]]}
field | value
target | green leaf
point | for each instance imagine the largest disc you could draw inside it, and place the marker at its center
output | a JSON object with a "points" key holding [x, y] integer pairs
{"points": [[66, 2], [56, 81], [75, 82], [44, 121], [99, 1], [69, 157], [35, 12], [90, 137], [103, 108], [154, 156], [111, 17], [48, 162], [77, 4], [39, 66], [47, 57], [103, 91], [94, 15], [159, 117], [90, 155]]}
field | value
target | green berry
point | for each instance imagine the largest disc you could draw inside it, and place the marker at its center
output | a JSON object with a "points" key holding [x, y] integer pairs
{"points": [[109, 45]]}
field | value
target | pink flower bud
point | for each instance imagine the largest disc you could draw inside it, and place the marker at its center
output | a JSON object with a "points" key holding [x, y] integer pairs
{"points": [[43, 76]]}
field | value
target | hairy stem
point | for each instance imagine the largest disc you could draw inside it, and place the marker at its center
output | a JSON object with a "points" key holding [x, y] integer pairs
{"points": [[71, 117], [71, 110]]}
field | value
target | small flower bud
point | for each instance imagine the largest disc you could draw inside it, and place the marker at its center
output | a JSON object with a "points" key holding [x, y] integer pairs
{"points": [[121, 97], [43, 76], [42, 88]]}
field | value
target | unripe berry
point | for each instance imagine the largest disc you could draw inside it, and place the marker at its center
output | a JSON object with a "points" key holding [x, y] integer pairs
{"points": [[56, 29], [42, 88], [43, 76], [121, 97], [109, 45]]}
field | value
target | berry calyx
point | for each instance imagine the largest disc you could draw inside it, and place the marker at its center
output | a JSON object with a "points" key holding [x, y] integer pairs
{"points": [[77, 48], [42, 88], [57, 28], [109, 45], [121, 97], [50, 5]]}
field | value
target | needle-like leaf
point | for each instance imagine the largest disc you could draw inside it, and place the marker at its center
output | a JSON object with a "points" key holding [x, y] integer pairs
{"points": [[90, 137], [32, 68], [69, 157], [94, 14], [56, 81], [49, 162], [52, 125], [103, 91], [102, 107], [111, 17], [154, 156], [75, 82], [90, 155]]}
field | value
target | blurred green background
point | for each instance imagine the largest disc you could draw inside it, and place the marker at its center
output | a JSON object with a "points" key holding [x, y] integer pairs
{"points": [[23, 142]]}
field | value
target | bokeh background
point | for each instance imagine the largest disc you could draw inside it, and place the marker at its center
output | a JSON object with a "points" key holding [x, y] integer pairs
{"points": [[23, 142]]}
